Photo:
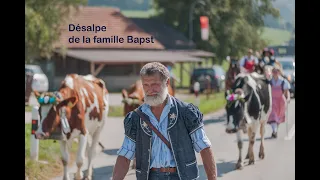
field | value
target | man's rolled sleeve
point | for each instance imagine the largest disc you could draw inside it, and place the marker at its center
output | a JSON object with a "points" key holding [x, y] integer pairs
{"points": [[127, 149], [200, 140], [128, 146]]}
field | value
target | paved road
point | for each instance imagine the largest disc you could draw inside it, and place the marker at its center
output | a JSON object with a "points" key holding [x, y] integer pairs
{"points": [[279, 163]]}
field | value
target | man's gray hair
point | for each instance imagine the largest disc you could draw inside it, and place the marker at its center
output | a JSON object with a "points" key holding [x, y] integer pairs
{"points": [[154, 68]]}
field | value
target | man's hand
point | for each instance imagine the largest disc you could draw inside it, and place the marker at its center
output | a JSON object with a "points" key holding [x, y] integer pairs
{"points": [[209, 163], [121, 168]]}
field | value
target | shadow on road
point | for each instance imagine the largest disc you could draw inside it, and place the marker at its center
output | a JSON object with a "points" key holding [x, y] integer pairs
{"points": [[223, 168], [215, 120], [111, 152], [259, 139], [103, 172], [210, 121]]}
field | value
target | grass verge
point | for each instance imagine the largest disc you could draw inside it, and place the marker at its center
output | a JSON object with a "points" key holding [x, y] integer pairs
{"points": [[115, 111], [28, 108], [49, 152], [215, 102]]}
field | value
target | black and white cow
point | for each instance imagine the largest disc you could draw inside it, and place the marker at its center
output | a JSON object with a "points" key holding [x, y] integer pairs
{"points": [[248, 108]]}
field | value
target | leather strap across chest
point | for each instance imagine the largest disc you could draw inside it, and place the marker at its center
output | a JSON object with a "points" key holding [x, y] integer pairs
{"points": [[146, 119]]}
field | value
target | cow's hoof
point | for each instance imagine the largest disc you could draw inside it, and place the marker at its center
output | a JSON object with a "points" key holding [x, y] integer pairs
{"points": [[261, 155], [66, 178], [247, 156], [78, 176], [274, 135], [245, 131], [239, 166], [251, 162]]}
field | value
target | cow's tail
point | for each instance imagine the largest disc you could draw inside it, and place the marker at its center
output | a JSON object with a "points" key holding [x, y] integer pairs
{"points": [[270, 100], [105, 93]]}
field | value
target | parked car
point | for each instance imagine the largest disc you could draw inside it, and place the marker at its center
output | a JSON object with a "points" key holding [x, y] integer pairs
{"points": [[220, 76], [288, 66], [40, 81], [200, 74]]}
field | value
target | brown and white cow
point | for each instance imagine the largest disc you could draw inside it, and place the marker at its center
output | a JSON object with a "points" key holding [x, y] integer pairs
{"points": [[82, 101]]}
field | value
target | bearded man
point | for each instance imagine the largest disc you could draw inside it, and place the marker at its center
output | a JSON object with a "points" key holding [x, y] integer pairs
{"points": [[163, 134]]}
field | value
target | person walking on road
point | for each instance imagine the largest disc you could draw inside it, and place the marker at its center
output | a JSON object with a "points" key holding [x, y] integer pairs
{"points": [[163, 134], [280, 97]]}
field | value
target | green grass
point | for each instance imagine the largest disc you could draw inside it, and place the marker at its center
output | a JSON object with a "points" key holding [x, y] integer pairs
{"points": [[225, 65], [275, 36], [28, 108], [48, 152], [215, 102], [115, 111]]}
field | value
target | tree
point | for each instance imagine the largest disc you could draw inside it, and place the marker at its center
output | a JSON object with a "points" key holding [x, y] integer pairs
{"points": [[43, 20], [234, 25]]}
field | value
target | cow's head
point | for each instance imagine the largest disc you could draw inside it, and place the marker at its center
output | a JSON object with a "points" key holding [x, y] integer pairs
{"points": [[236, 98], [132, 98], [52, 110], [131, 101]]}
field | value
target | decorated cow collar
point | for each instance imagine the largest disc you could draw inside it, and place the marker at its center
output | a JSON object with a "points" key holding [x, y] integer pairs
{"points": [[233, 97], [47, 98]]}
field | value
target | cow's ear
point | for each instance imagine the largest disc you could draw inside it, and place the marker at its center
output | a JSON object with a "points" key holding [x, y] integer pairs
{"points": [[124, 93], [67, 102]]}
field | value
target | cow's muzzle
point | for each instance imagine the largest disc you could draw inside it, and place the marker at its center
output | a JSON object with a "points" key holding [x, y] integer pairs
{"points": [[42, 135], [131, 101], [231, 131]]}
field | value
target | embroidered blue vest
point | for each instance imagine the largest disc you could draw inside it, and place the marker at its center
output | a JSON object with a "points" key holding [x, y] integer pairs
{"points": [[187, 120]]}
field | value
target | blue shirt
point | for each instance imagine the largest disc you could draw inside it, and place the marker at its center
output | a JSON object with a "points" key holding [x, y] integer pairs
{"points": [[161, 156], [286, 85]]}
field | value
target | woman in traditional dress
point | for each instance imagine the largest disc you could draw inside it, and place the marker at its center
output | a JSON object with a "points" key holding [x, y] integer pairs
{"points": [[280, 97]]}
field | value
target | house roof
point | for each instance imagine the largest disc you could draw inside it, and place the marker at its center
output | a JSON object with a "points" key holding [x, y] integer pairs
{"points": [[116, 25], [166, 35], [129, 56]]}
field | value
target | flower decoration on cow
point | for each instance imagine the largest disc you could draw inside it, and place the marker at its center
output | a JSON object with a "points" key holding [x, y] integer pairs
{"points": [[47, 98], [233, 97]]}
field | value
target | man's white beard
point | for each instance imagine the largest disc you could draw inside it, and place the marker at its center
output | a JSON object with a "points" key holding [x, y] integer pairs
{"points": [[157, 99]]}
